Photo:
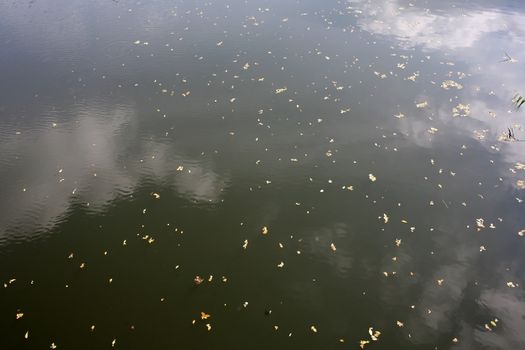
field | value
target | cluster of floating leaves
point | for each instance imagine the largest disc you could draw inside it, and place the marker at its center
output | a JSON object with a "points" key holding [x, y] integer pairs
{"points": [[448, 84], [461, 110]]}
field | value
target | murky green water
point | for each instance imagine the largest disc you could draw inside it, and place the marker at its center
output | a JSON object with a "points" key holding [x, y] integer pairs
{"points": [[262, 174]]}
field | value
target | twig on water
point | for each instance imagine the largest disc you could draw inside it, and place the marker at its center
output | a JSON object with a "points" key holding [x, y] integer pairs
{"points": [[508, 59], [518, 101]]}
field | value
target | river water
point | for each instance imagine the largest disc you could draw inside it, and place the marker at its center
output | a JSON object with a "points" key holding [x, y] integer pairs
{"points": [[262, 174]]}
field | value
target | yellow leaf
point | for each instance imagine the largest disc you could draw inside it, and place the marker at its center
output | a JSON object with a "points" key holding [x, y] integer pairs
{"points": [[362, 343]]}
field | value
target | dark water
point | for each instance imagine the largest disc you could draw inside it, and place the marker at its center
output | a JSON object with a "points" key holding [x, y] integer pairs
{"points": [[144, 143]]}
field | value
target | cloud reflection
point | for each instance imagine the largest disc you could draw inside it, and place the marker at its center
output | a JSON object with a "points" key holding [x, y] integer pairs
{"points": [[82, 160]]}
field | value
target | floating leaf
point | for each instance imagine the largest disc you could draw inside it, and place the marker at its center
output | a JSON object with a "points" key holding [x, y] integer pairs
{"points": [[363, 343], [374, 335], [422, 104]]}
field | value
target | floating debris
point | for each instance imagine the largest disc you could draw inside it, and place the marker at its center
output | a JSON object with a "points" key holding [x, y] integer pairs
{"points": [[374, 335], [508, 59], [480, 223], [363, 343], [448, 84], [491, 325], [518, 101], [508, 135], [461, 110], [422, 104]]}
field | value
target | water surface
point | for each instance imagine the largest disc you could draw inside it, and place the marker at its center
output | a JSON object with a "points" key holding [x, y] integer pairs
{"points": [[337, 173]]}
